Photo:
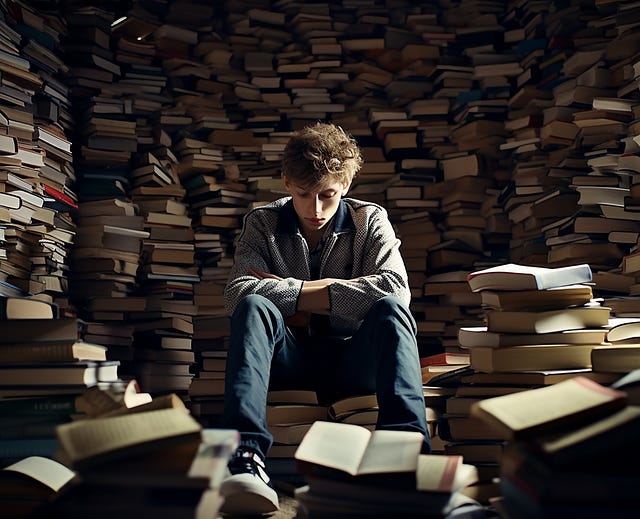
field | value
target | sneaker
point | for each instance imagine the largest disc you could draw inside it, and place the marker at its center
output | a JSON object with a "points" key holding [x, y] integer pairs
{"points": [[247, 488]]}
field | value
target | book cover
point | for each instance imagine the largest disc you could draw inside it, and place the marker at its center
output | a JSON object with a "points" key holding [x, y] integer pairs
{"points": [[547, 321], [512, 276], [551, 409]]}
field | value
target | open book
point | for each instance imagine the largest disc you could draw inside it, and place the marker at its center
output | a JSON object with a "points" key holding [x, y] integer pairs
{"points": [[549, 409], [356, 450], [30, 483], [87, 443]]}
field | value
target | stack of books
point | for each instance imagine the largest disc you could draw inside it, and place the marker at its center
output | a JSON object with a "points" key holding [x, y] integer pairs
{"points": [[152, 458], [44, 358], [350, 470], [290, 415], [565, 443], [541, 326]]}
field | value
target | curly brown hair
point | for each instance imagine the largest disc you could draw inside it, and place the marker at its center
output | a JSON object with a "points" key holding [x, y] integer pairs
{"points": [[321, 153]]}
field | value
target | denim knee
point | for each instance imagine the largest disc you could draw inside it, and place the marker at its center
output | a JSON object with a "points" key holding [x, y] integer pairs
{"points": [[391, 307]]}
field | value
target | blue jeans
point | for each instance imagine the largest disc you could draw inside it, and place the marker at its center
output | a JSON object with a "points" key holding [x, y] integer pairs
{"points": [[381, 358]]}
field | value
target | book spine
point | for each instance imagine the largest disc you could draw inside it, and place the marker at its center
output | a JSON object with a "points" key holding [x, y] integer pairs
{"points": [[35, 353], [65, 404], [16, 449]]}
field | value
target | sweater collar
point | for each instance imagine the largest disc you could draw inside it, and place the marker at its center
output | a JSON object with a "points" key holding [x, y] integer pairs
{"points": [[288, 219]]}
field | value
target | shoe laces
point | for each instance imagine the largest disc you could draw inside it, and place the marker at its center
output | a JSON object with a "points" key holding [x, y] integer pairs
{"points": [[248, 462]]}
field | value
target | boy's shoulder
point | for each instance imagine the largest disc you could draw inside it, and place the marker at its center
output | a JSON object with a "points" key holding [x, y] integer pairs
{"points": [[363, 205], [269, 208]]}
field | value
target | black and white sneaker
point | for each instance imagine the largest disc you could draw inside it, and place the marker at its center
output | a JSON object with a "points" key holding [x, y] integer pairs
{"points": [[247, 488]]}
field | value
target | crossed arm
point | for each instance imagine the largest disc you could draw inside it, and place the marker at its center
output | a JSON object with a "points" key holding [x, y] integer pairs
{"points": [[314, 296]]}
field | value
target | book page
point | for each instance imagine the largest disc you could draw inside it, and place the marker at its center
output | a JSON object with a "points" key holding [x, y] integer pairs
{"points": [[391, 451], [45, 470], [87, 438], [444, 473], [336, 445], [527, 411]]}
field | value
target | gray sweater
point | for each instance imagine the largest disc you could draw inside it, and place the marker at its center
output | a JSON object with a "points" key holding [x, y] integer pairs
{"points": [[363, 243]]}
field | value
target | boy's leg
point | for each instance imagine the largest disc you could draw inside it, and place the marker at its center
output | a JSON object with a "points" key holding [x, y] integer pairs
{"points": [[382, 358], [261, 351], [262, 354]]}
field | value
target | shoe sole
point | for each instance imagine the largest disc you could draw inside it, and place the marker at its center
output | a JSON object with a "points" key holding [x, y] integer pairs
{"points": [[241, 497], [247, 505]]}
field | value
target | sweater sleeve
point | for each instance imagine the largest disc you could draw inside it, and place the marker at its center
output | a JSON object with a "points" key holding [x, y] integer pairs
{"points": [[383, 273], [253, 251]]}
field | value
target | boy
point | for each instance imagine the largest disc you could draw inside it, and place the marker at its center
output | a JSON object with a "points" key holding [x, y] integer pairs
{"points": [[319, 299]]}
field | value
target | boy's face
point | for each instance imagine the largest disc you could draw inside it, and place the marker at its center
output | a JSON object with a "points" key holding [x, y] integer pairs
{"points": [[316, 205]]}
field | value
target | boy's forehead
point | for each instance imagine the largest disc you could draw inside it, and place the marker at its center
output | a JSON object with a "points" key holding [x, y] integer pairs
{"points": [[319, 187]]}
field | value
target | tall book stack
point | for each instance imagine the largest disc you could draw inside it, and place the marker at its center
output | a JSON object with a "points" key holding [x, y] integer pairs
{"points": [[105, 258], [105, 262], [541, 326], [290, 415], [36, 175]]}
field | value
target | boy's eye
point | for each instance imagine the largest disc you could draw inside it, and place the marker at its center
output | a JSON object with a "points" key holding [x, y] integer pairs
{"points": [[327, 195]]}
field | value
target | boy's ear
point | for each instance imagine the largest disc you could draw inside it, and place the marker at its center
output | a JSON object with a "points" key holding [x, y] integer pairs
{"points": [[346, 187], [286, 182]]}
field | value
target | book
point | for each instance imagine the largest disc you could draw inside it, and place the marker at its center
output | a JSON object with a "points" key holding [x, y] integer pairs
{"points": [[80, 373], [288, 434], [513, 276], [544, 299], [532, 481], [616, 359], [547, 321], [600, 436], [623, 329], [440, 477], [292, 396], [345, 499], [52, 351], [355, 450], [534, 378], [531, 357], [290, 414], [630, 384], [26, 308], [63, 329], [187, 464], [29, 484], [41, 406], [472, 336], [34, 477], [344, 407], [88, 443], [567, 404]]}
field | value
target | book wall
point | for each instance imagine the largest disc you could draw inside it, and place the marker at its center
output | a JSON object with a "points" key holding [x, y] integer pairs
{"points": [[478, 134], [45, 362]]}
